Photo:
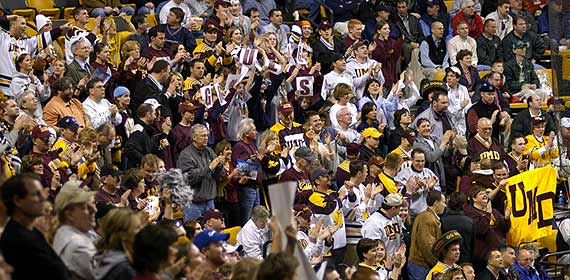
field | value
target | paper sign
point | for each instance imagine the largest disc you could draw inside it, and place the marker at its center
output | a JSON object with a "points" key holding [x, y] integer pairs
{"points": [[301, 54], [305, 85], [221, 94], [248, 57], [207, 96], [282, 196], [249, 169]]}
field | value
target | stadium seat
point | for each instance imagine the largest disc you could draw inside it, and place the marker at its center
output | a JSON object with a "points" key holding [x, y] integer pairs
{"points": [[448, 4], [19, 7], [233, 232], [151, 19], [45, 7], [68, 6]]}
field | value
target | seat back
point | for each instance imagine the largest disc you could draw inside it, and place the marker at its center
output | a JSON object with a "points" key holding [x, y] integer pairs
{"points": [[14, 4], [41, 4], [233, 232]]}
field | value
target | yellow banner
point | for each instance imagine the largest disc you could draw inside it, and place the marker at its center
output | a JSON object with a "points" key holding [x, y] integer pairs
{"points": [[531, 196]]}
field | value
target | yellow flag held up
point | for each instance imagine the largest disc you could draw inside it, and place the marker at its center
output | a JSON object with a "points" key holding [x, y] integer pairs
{"points": [[530, 195]]}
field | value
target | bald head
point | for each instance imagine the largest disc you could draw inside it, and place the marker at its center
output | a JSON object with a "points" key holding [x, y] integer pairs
{"points": [[485, 128]]}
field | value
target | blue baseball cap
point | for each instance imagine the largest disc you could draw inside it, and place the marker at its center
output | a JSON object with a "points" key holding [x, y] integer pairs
{"points": [[68, 122], [120, 91], [208, 236]]}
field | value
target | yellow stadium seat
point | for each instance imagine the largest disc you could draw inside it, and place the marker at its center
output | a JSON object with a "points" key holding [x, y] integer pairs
{"points": [[448, 4], [483, 74], [233, 232], [30, 31], [68, 13], [45, 7], [29, 14]]}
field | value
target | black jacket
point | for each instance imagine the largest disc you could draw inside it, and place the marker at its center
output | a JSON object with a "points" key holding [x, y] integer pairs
{"points": [[522, 126], [512, 71], [325, 56], [456, 220], [144, 140], [415, 32], [489, 50], [486, 274], [147, 89]]}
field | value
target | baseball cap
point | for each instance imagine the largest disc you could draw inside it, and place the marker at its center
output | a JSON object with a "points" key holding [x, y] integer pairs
{"points": [[286, 108], [453, 69], [152, 102], [71, 193], [393, 199], [337, 57], [325, 25], [110, 170], [520, 44], [230, 249], [410, 135], [120, 91], [353, 149], [487, 87], [371, 132], [68, 122], [303, 211], [41, 131], [208, 236], [186, 107], [376, 160], [538, 120], [211, 27], [305, 153], [319, 172], [359, 44], [213, 214]]}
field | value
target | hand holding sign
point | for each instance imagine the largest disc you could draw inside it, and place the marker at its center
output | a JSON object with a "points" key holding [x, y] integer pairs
{"points": [[305, 85]]}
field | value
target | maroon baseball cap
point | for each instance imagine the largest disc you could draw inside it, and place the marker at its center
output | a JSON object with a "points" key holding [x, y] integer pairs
{"points": [[286, 108], [302, 210], [213, 214], [41, 131]]}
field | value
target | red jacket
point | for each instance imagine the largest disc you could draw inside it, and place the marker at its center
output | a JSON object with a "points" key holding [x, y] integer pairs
{"points": [[475, 25]]}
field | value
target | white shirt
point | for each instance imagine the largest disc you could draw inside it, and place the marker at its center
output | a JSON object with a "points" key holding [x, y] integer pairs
{"points": [[99, 113], [76, 249], [455, 96], [171, 4], [332, 79], [359, 73], [504, 25], [378, 226], [252, 239], [457, 43]]}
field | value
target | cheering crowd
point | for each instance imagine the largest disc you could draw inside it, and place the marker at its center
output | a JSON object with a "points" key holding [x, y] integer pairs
{"points": [[149, 152]]}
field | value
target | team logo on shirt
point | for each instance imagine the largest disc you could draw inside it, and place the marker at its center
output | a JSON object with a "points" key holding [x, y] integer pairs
{"points": [[392, 231]]}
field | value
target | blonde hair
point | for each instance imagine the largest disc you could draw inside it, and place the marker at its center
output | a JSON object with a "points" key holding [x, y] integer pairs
{"points": [[87, 135], [118, 226], [341, 90], [353, 23], [127, 47]]}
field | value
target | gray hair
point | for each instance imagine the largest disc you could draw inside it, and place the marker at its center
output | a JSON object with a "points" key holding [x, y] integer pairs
{"points": [[20, 99], [467, 3], [181, 191], [75, 45], [259, 213], [198, 128], [244, 127], [340, 111]]}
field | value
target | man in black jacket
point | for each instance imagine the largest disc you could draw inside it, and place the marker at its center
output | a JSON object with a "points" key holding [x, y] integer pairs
{"points": [[489, 46], [535, 48], [23, 245], [325, 48], [144, 139], [521, 124], [455, 219], [152, 87], [408, 28], [494, 269]]}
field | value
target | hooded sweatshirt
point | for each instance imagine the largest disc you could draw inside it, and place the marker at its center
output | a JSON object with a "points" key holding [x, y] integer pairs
{"points": [[112, 265]]}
